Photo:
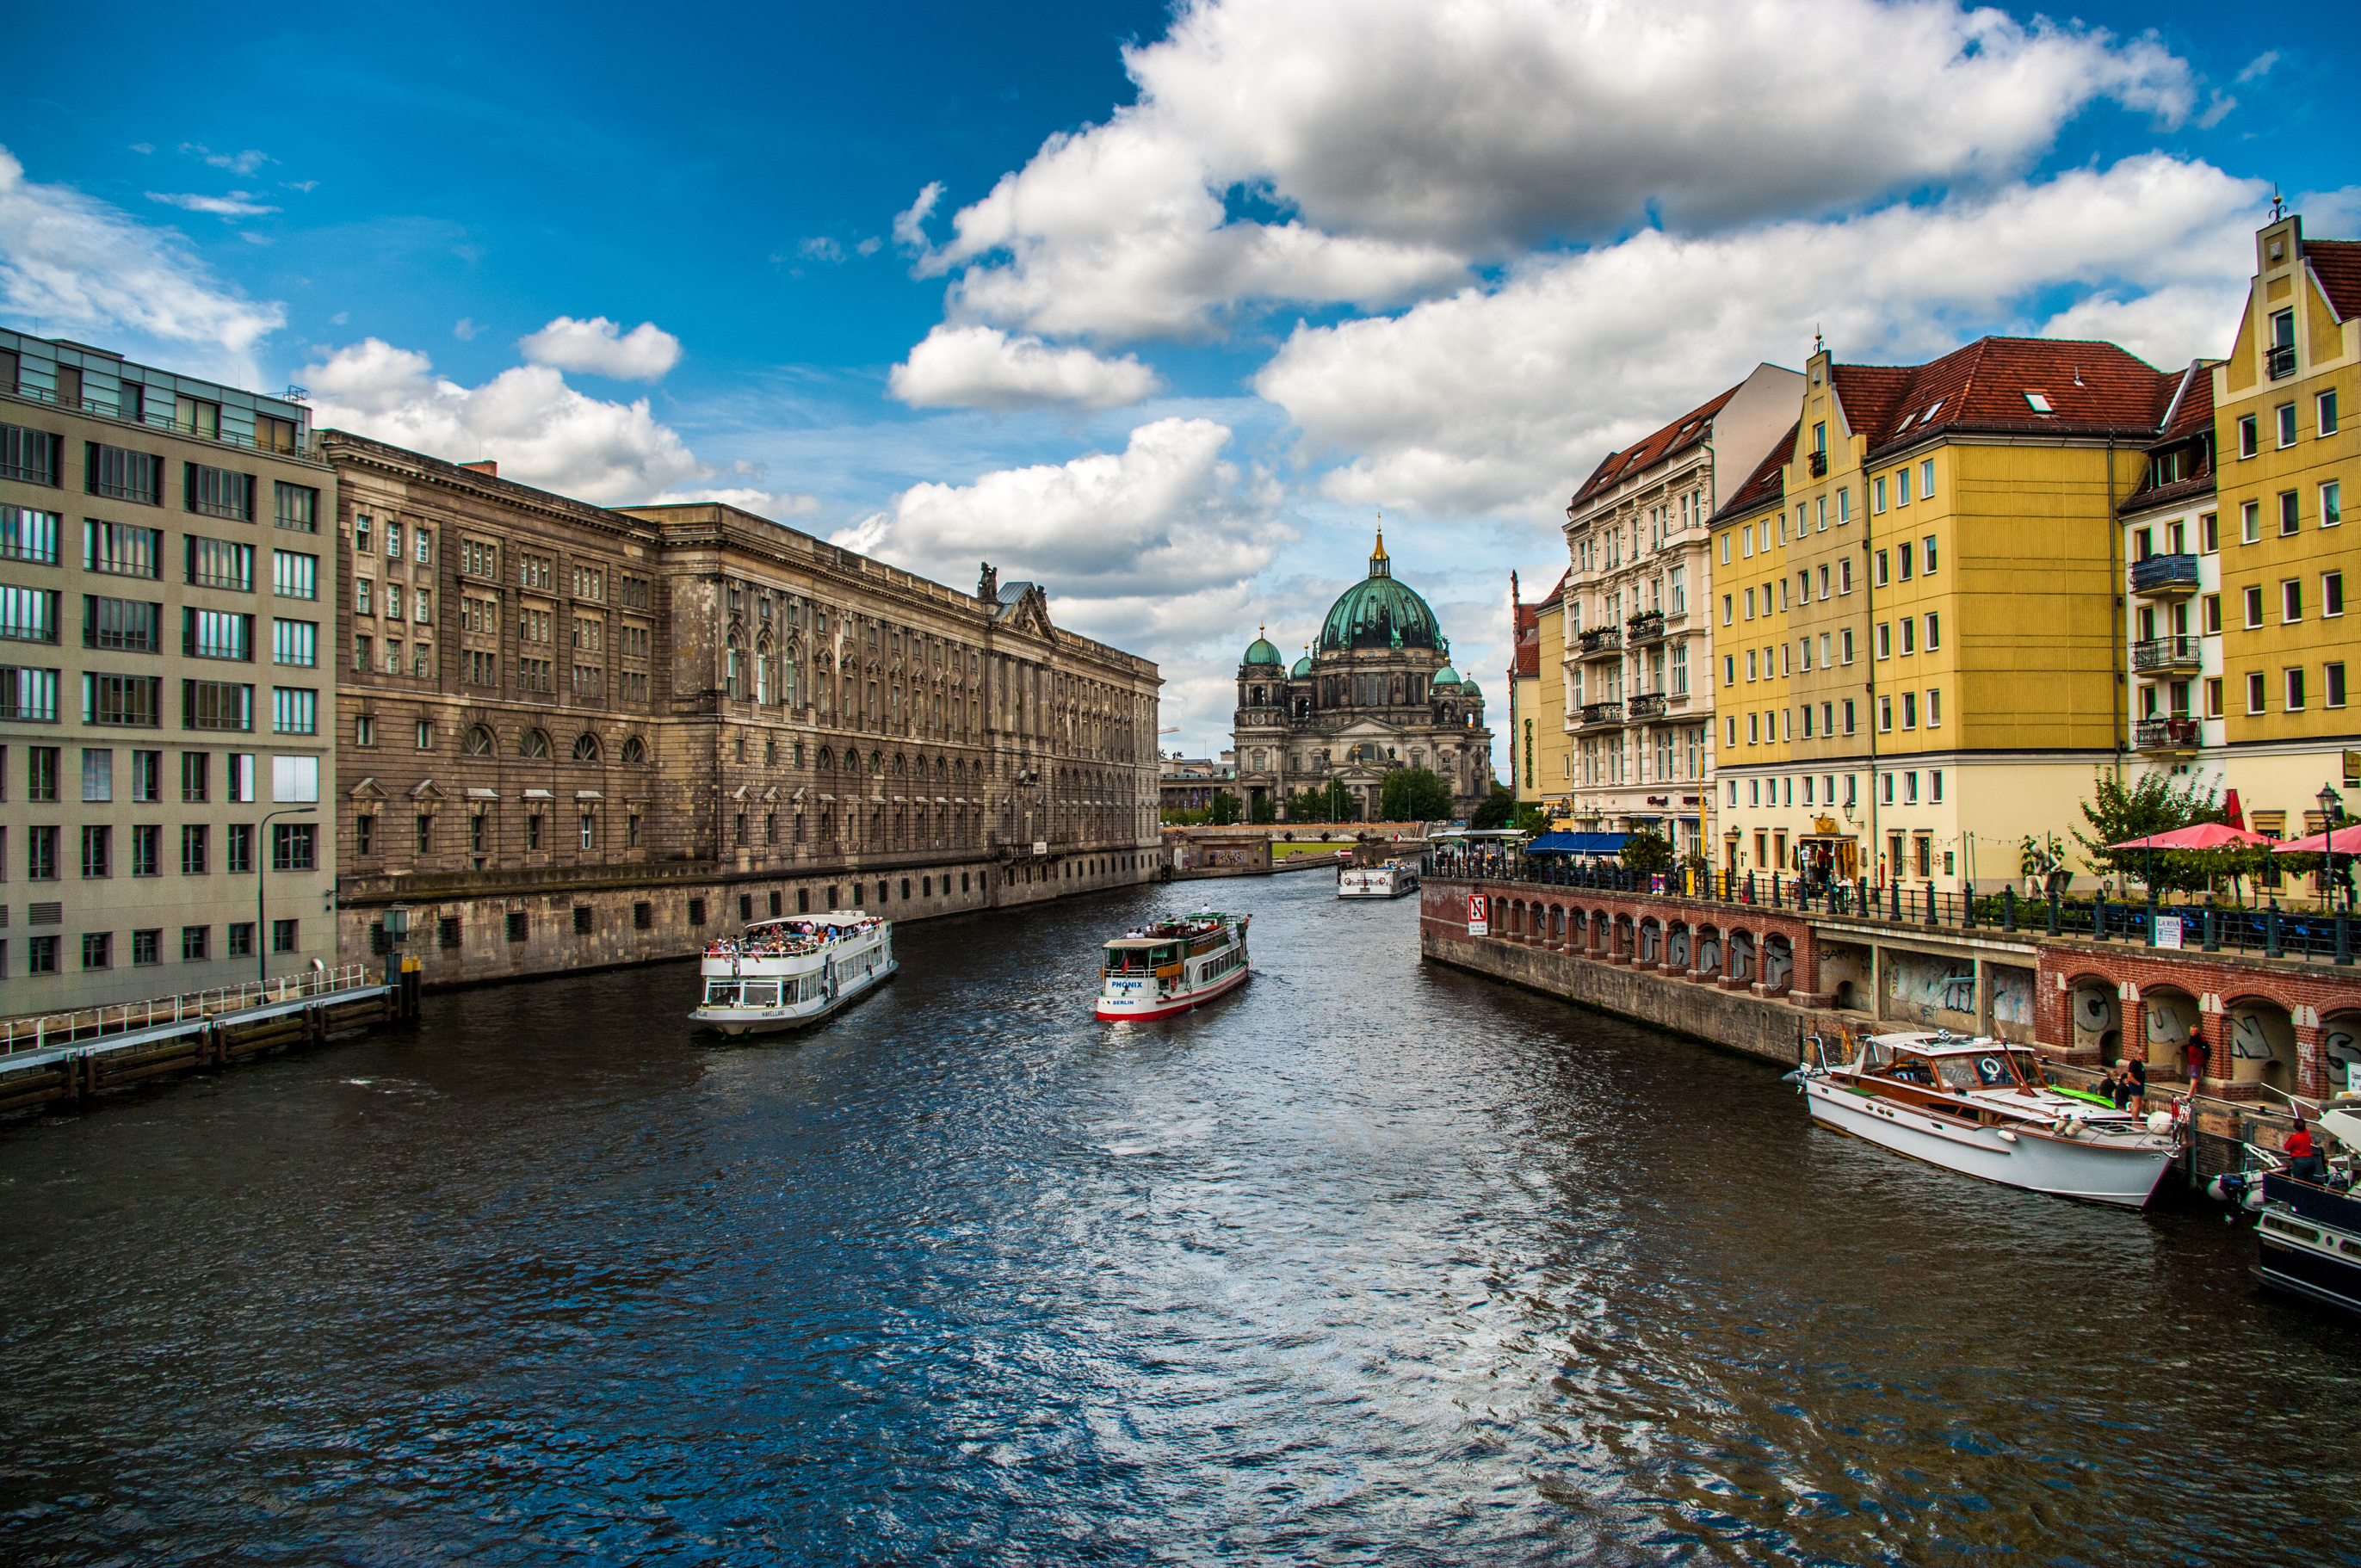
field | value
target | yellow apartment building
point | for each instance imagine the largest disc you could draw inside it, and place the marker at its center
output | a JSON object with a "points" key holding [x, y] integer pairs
{"points": [[1544, 764], [2284, 410], [1921, 642]]}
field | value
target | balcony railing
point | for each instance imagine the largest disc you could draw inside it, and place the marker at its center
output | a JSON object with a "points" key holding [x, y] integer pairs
{"points": [[2168, 653], [1600, 640], [1645, 628], [1647, 705], [2164, 574], [2281, 358], [2165, 735], [1602, 713], [1819, 461]]}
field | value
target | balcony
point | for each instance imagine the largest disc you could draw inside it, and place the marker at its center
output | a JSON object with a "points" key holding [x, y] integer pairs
{"points": [[2281, 359], [2165, 736], [1601, 713], [2176, 655], [1599, 641], [1819, 461], [2165, 576], [1646, 705], [1645, 628]]}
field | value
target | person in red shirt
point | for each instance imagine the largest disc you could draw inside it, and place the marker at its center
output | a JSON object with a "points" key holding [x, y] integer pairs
{"points": [[2305, 1162]]}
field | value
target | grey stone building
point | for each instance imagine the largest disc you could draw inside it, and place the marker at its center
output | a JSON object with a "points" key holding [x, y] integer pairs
{"points": [[576, 735], [1375, 693], [166, 764]]}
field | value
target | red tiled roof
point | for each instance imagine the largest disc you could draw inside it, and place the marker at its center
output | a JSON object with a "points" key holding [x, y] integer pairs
{"points": [[1529, 658], [2338, 264], [1678, 437], [1768, 482], [2194, 412], [2091, 388]]}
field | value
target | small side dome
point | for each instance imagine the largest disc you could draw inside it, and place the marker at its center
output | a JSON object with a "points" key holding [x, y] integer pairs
{"points": [[1261, 652], [1302, 670], [1446, 676], [1470, 689]]}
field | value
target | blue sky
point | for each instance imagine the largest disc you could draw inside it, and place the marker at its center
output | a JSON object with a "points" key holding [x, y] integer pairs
{"points": [[1174, 325]]}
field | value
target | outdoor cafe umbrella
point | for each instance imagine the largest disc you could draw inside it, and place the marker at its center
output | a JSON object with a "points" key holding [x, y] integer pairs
{"points": [[2343, 840], [2196, 836]]}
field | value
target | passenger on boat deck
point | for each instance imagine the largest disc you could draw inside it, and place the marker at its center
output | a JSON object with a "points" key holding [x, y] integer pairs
{"points": [[2305, 1162]]}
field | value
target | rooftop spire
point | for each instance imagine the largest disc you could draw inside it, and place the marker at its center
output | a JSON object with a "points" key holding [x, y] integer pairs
{"points": [[1379, 566]]}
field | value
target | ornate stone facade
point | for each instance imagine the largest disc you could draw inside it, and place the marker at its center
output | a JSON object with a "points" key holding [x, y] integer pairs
{"points": [[1375, 693], [575, 735]]}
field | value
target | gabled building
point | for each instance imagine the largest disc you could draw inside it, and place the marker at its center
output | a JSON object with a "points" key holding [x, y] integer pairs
{"points": [[2171, 528], [1639, 708], [1542, 767]]}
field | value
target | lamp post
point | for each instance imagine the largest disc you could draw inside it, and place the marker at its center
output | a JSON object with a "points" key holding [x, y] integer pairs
{"points": [[261, 867], [2332, 810]]}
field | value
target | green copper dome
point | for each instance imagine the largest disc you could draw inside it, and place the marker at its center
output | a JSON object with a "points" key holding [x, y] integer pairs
{"points": [[1261, 652], [1469, 688], [1378, 612], [1302, 670], [1446, 676]]}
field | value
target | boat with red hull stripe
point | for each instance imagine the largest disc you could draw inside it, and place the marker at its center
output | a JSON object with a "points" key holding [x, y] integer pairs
{"points": [[1173, 966]]}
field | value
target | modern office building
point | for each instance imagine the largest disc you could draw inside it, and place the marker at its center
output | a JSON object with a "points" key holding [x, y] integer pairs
{"points": [[167, 753]]}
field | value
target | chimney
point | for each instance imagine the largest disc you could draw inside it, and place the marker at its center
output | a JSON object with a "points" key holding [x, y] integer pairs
{"points": [[485, 466]]}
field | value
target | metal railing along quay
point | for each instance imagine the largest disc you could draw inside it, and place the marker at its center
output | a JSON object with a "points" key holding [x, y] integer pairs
{"points": [[2271, 932], [95, 1025]]}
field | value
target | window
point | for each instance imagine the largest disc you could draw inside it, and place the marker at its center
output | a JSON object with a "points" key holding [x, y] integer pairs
{"points": [[216, 705], [1886, 713], [195, 775], [216, 634], [28, 694], [241, 940], [193, 848], [294, 711], [147, 849], [295, 780], [533, 572], [147, 776], [295, 642], [2332, 593], [1844, 576], [121, 550], [97, 775], [1844, 641], [2283, 417], [1935, 721], [217, 492], [29, 456], [1909, 711], [294, 847], [2213, 698], [2295, 689], [219, 563], [393, 540], [1725, 609], [130, 700], [2332, 504], [296, 506], [2334, 686], [1749, 604], [1730, 669], [294, 575], [1909, 635], [2209, 532], [124, 474], [1881, 576], [2291, 599], [2291, 518], [129, 625], [2255, 692], [194, 940], [2249, 439], [425, 735], [1877, 497], [97, 842], [283, 936], [478, 559], [2253, 607], [29, 535], [97, 949], [1926, 556], [422, 545], [28, 615], [1885, 640], [2325, 412], [2211, 613]]}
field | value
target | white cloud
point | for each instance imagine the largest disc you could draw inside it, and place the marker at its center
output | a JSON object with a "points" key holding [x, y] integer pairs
{"points": [[245, 162], [79, 266], [1500, 401], [541, 431], [2261, 66], [983, 367], [465, 329], [910, 226], [820, 248], [1167, 515], [646, 353], [1388, 144], [237, 204], [2168, 328], [778, 507]]}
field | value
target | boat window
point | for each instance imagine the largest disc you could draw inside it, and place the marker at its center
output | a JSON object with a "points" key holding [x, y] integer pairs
{"points": [[763, 995], [721, 993], [2028, 1068], [1128, 960], [2289, 1228], [1962, 1072], [1911, 1070]]}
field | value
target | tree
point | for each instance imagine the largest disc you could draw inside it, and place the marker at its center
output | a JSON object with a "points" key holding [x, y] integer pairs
{"points": [[1225, 808], [1496, 810], [2151, 803], [1263, 809], [1532, 819], [1415, 795], [1646, 849]]}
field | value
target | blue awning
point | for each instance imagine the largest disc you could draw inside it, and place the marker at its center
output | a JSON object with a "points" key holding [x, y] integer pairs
{"points": [[1578, 844]]}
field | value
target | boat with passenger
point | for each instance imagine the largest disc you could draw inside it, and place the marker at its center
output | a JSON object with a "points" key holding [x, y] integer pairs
{"points": [[2308, 1224], [1390, 879], [1171, 966], [1985, 1108], [786, 974]]}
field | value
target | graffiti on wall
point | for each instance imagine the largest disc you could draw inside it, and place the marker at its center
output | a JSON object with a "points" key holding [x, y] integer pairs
{"points": [[1934, 991]]}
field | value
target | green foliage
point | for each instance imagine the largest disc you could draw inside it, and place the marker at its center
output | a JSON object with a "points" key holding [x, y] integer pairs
{"points": [[1532, 819], [1496, 810], [2151, 803], [1263, 811], [1415, 795], [1225, 809], [1647, 850]]}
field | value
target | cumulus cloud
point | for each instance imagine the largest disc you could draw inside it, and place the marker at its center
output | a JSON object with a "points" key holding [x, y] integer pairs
{"points": [[646, 353], [237, 204], [81, 266], [1169, 514], [1387, 144], [541, 431], [1500, 400], [245, 162], [983, 367], [776, 506]]}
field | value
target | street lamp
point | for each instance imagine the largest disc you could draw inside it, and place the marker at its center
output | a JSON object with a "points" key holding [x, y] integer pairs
{"points": [[261, 922], [2332, 809]]}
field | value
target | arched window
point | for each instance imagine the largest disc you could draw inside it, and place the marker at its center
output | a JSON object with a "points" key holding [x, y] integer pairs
{"points": [[479, 742], [586, 747], [787, 678], [763, 672], [827, 759], [536, 744], [729, 670], [900, 765], [635, 750]]}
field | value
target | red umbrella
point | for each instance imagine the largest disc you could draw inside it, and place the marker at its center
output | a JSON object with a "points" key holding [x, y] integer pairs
{"points": [[2347, 841], [2196, 836]]}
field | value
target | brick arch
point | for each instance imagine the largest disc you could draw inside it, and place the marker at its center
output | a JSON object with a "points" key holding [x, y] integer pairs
{"points": [[1650, 942], [2283, 1066]]}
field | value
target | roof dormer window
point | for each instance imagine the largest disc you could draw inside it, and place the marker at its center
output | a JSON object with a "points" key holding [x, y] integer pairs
{"points": [[2039, 401]]}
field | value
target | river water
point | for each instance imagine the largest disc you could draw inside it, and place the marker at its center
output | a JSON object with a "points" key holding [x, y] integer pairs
{"points": [[1372, 1261]]}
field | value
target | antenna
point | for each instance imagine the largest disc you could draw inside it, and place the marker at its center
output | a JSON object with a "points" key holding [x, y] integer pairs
{"points": [[2278, 204], [1819, 344]]}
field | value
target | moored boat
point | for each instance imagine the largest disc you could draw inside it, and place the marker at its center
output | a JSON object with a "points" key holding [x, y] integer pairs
{"points": [[785, 974], [1173, 966], [1984, 1108], [1390, 879]]}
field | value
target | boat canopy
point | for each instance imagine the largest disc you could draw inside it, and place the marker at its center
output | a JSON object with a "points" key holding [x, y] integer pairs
{"points": [[1579, 844]]}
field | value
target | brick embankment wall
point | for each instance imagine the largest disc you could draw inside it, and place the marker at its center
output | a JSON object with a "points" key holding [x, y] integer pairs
{"points": [[1772, 1031]]}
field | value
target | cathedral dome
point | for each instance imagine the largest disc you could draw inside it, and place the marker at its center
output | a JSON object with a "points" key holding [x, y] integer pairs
{"points": [[1378, 612], [1470, 689], [1446, 676], [1261, 652], [1302, 670]]}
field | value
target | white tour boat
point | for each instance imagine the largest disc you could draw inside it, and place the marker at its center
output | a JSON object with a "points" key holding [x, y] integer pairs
{"points": [[1390, 879], [1173, 966], [783, 974], [1983, 1107]]}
